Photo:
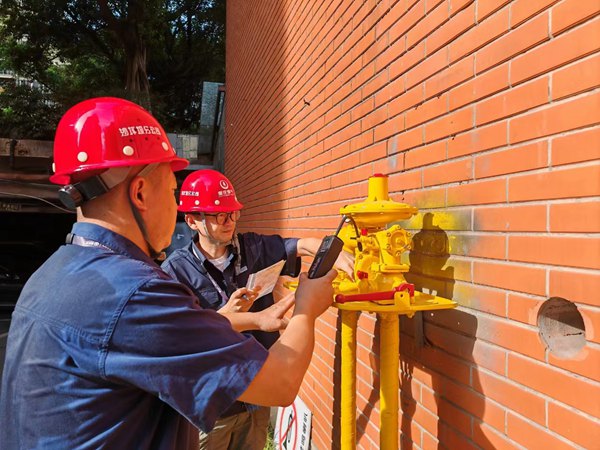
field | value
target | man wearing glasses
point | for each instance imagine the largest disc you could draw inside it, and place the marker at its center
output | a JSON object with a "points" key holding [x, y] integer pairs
{"points": [[216, 266]]}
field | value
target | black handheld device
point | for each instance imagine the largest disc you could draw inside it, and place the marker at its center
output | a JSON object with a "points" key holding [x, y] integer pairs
{"points": [[327, 254]]}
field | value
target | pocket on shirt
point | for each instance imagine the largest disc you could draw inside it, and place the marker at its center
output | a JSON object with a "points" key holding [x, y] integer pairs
{"points": [[209, 299]]}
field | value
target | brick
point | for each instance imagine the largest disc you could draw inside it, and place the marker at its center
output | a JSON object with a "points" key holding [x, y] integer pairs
{"points": [[406, 20], [479, 87], [512, 160], [557, 52], [431, 21], [522, 10], [451, 124], [449, 77], [391, 127], [476, 245], [389, 54], [560, 183], [361, 109], [454, 417], [591, 320], [455, 6], [407, 61], [377, 47], [530, 435], [572, 12], [449, 438], [585, 363], [486, 8], [575, 217], [524, 308], [477, 193], [427, 273], [576, 147], [425, 155], [576, 78], [426, 111], [473, 402], [391, 16], [510, 218], [573, 425], [364, 140], [454, 220], [516, 41], [578, 392], [561, 251], [512, 396], [406, 180], [425, 199], [480, 35], [478, 140], [480, 298], [452, 368], [449, 31], [431, 65], [512, 102], [468, 348], [412, 98], [372, 153], [575, 286], [511, 336], [402, 141], [374, 84], [515, 277], [374, 118], [449, 172], [490, 439]]}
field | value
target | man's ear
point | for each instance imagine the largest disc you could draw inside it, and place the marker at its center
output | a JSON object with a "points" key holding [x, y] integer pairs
{"points": [[138, 193], [189, 219]]}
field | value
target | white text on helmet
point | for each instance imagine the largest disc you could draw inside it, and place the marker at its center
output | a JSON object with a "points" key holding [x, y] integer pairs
{"points": [[138, 129]]}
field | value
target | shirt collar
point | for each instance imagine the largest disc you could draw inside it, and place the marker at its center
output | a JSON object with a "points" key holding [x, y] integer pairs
{"points": [[200, 256], [114, 241]]}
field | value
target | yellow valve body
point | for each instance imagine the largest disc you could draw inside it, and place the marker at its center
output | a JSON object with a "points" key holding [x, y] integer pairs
{"points": [[378, 266]]}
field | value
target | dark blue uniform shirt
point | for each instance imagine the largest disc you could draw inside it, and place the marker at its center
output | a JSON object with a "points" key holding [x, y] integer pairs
{"points": [[257, 252], [105, 350]]}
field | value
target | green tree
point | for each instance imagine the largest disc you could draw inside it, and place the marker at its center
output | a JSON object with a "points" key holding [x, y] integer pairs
{"points": [[154, 52]]}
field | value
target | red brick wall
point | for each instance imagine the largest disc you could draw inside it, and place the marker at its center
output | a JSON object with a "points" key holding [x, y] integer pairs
{"points": [[485, 115]]}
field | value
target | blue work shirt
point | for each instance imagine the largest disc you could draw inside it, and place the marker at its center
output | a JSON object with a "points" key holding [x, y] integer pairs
{"points": [[257, 252], [105, 350]]}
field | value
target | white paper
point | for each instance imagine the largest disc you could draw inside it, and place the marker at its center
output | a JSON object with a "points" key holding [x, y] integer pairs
{"points": [[266, 278]]}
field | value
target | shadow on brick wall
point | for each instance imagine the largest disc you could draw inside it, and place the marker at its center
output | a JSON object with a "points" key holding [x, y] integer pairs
{"points": [[448, 383]]}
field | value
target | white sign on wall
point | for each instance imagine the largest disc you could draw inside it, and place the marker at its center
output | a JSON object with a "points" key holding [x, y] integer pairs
{"points": [[292, 430]]}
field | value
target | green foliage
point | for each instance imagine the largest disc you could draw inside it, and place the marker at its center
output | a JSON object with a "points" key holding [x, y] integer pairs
{"points": [[26, 113], [154, 52]]}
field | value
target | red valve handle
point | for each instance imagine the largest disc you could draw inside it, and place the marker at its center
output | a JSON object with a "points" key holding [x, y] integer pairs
{"points": [[375, 296]]}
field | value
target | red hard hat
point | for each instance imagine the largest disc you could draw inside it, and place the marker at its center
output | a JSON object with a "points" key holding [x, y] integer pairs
{"points": [[207, 191], [102, 133]]}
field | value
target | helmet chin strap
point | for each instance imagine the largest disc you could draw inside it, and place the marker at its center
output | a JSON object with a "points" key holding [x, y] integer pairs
{"points": [[138, 217], [213, 240]]}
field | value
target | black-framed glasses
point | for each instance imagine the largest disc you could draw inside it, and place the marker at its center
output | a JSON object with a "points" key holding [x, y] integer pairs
{"points": [[221, 218]]}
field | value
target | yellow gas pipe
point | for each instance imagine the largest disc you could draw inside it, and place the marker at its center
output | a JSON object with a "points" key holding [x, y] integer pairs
{"points": [[348, 380]]}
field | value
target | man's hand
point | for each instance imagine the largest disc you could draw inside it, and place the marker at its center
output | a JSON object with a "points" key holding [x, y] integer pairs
{"points": [[310, 246], [272, 318], [314, 296], [345, 263], [241, 300]]}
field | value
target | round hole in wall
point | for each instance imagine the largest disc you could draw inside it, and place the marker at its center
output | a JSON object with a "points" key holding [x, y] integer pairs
{"points": [[561, 327]]}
